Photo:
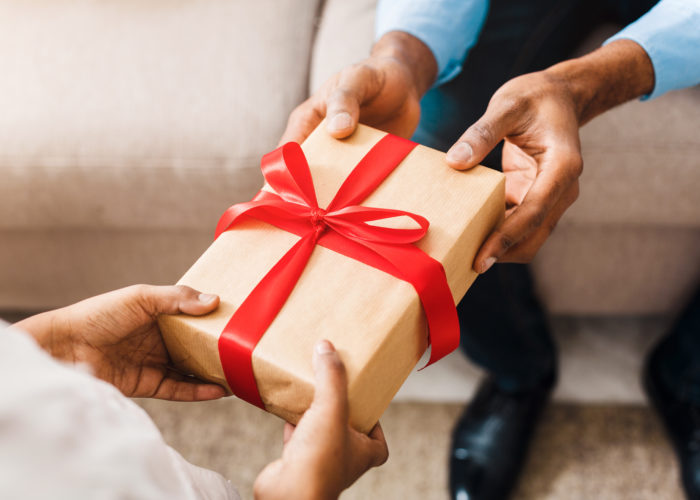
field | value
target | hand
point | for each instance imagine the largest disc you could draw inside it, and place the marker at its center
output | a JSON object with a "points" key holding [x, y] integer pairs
{"points": [[538, 116], [117, 335], [383, 91], [323, 455]]}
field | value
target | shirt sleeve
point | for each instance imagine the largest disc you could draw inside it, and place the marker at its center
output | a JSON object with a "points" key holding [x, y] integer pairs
{"points": [[448, 27], [670, 35], [66, 434]]}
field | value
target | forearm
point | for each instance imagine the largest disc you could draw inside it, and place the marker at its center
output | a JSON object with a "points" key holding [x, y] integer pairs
{"points": [[605, 78], [43, 328], [413, 54]]}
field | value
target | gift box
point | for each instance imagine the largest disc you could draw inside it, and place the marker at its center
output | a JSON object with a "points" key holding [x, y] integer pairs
{"points": [[376, 312]]}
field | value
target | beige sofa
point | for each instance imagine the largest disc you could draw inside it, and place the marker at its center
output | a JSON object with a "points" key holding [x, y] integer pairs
{"points": [[127, 127]]}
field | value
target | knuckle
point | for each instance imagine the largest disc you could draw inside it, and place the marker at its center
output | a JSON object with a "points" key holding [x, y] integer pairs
{"points": [[300, 113], [578, 163], [506, 240], [512, 104], [184, 290], [350, 71], [364, 70], [341, 93], [141, 291], [536, 216], [575, 162], [305, 114], [483, 132], [341, 99]]}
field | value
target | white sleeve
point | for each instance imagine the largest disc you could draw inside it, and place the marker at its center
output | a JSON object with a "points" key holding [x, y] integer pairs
{"points": [[67, 435]]}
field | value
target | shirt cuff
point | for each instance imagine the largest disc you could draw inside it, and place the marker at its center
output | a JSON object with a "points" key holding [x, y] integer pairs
{"points": [[448, 29], [669, 35]]}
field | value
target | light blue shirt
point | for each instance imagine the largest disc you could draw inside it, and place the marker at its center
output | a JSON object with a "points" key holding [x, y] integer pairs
{"points": [[669, 33], [448, 27]]}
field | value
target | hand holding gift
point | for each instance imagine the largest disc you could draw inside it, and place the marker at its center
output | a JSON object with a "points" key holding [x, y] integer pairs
{"points": [[117, 335], [340, 454]]}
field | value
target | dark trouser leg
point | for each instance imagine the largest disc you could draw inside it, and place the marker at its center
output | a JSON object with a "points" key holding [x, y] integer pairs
{"points": [[672, 381], [679, 355], [504, 329]]}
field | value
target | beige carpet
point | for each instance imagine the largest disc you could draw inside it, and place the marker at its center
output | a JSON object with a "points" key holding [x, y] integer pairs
{"points": [[580, 452]]}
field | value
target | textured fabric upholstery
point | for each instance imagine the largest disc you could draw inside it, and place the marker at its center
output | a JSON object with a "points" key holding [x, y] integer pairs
{"points": [[128, 127], [143, 114]]}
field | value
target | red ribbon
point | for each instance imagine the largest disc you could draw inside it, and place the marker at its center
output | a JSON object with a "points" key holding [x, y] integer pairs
{"points": [[342, 227]]}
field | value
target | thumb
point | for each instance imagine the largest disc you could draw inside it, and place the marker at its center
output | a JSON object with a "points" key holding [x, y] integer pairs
{"points": [[173, 300], [478, 140], [331, 392], [342, 112]]}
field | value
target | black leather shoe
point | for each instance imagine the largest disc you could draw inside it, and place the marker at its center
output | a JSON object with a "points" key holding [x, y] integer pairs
{"points": [[681, 419], [491, 439]]}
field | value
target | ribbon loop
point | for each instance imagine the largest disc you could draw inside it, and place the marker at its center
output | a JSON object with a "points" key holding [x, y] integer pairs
{"points": [[353, 221], [286, 170]]}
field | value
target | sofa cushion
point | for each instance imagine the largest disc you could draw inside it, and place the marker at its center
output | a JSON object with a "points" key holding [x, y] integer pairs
{"points": [[143, 114]]}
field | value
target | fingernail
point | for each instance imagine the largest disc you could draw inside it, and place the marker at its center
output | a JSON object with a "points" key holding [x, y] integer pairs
{"points": [[460, 153], [206, 298], [341, 121], [487, 264], [324, 347]]}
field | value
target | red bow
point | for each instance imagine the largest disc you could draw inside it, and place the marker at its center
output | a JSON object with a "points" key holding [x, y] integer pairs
{"points": [[342, 227]]}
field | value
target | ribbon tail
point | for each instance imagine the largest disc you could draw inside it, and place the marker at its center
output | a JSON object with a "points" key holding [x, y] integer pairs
{"points": [[430, 282], [252, 318]]}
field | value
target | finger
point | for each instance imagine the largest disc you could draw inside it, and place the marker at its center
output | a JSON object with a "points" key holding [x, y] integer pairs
{"points": [[355, 85], [484, 135], [155, 300], [526, 250], [331, 392], [378, 446], [177, 390], [288, 432], [302, 121], [377, 433], [552, 181], [343, 112]]}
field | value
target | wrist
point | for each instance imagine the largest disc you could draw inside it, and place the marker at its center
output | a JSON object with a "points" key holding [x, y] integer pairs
{"points": [[605, 78], [46, 331], [294, 489], [413, 55]]}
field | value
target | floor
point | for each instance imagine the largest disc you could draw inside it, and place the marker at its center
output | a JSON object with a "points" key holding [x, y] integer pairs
{"points": [[598, 441], [581, 452], [600, 362]]}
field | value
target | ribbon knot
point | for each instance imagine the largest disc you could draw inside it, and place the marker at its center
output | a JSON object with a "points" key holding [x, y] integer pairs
{"points": [[291, 207], [317, 217]]}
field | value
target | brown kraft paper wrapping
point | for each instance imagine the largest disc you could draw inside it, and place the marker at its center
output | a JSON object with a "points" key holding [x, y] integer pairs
{"points": [[374, 320]]}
